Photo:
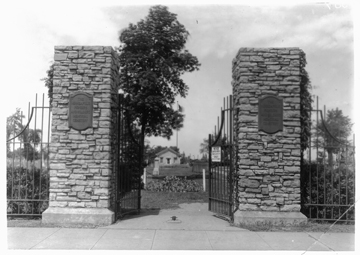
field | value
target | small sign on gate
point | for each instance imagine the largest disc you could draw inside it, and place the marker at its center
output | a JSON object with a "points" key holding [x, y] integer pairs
{"points": [[216, 154]]}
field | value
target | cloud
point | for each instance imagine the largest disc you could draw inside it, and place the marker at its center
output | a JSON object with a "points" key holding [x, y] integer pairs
{"points": [[221, 30]]}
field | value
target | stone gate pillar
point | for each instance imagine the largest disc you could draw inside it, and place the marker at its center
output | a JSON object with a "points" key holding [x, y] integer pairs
{"points": [[266, 89], [81, 161]]}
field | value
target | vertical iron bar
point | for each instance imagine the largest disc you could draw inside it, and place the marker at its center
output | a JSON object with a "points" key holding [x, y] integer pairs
{"points": [[215, 176], [26, 137], [346, 184], [41, 149], [310, 168], [141, 150], [34, 161], [317, 163], [21, 114], [223, 160], [20, 168], [218, 182], [48, 154], [339, 175], [354, 167], [231, 160], [210, 174], [221, 163], [121, 158], [26, 140], [226, 152], [13, 169], [325, 168], [117, 159]]}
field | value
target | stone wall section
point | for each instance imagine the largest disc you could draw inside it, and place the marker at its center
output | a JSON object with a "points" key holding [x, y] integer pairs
{"points": [[269, 164], [81, 162]]}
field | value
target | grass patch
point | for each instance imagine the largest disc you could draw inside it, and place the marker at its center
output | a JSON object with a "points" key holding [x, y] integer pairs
{"points": [[308, 227], [170, 200], [36, 223]]}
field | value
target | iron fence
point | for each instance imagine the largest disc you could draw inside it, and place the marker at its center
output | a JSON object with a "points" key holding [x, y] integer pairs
{"points": [[28, 162], [328, 175], [128, 164], [222, 184]]}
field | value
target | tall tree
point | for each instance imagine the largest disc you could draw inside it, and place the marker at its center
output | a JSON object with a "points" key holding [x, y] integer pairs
{"points": [[13, 126], [204, 146], [29, 138], [152, 58], [333, 133]]}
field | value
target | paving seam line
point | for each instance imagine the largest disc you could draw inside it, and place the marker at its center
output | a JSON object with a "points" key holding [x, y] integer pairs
{"points": [[45, 238], [318, 241], [99, 239], [152, 243], [206, 232]]}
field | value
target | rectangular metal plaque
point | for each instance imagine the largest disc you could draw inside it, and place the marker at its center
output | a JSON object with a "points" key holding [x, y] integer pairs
{"points": [[271, 114], [80, 111], [216, 154]]}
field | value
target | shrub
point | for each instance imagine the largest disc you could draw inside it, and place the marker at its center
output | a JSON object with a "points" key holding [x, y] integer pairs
{"points": [[330, 187], [27, 184], [174, 184]]}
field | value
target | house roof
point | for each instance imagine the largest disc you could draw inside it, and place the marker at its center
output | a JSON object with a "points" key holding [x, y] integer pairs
{"points": [[166, 150]]}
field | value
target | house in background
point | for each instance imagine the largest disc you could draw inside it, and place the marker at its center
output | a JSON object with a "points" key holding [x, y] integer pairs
{"points": [[168, 157]]}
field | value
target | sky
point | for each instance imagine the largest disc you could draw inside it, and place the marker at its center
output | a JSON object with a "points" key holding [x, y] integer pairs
{"points": [[325, 32]]}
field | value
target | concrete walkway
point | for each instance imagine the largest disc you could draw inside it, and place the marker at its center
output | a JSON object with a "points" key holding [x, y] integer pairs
{"points": [[194, 229]]}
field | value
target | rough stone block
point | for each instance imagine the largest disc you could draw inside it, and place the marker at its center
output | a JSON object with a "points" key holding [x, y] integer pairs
{"points": [[292, 169], [60, 56], [265, 191], [265, 159], [86, 54], [290, 208], [249, 183], [86, 216]]}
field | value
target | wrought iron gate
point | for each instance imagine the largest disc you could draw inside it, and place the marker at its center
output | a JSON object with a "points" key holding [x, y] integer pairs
{"points": [[328, 175], [127, 165], [27, 163], [222, 184]]}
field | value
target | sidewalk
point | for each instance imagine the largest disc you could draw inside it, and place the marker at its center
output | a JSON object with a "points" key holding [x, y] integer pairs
{"points": [[194, 229], [138, 239]]}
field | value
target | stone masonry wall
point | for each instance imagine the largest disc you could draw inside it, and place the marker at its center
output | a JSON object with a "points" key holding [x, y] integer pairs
{"points": [[81, 162], [269, 164]]}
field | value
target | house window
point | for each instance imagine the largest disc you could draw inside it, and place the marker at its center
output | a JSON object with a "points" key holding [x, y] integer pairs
{"points": [[175, 160], [168, 161], [161, 159]]}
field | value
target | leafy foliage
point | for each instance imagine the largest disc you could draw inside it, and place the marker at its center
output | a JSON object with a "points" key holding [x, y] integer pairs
{"points": [[174, 184], [49, 81], [13, 126], [333, 133], [152, 58], [323, 185], [27, 183], [29, 138], [305, 106]]}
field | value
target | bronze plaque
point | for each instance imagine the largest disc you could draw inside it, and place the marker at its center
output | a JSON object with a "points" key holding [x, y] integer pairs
{"points": [[271, 114], [80, 111]]}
